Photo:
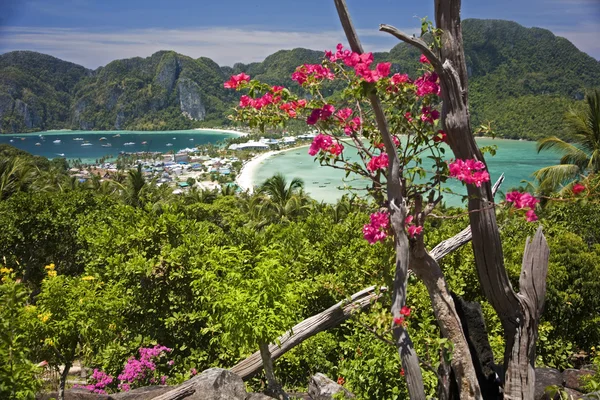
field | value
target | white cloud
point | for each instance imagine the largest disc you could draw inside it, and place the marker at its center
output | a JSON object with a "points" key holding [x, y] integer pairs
{"points": [[222, 44]]}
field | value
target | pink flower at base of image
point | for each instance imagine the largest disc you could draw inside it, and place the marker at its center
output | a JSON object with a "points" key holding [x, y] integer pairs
{"points": [[469, 171], [577, 188], [376, 230]]}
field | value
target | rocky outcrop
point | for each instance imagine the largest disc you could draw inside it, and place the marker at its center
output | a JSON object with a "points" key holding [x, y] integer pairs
{"points": [[78, 114], [190, 101], [573, 378], [30, 116], [321, 387], [6, 104], [168, 71], [545, 377]]}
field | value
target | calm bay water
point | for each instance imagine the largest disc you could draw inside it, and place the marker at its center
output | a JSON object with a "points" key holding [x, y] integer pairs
{"points": [[516, 159], [42, 143]]}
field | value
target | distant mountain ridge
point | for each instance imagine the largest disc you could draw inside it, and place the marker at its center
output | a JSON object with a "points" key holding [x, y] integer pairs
{"points": [[521, 79]]}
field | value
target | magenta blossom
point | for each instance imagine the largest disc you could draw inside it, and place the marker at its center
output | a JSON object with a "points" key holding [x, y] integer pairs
{"points": [[235, 81], [378, 162], [376, 230], [469, 171]]}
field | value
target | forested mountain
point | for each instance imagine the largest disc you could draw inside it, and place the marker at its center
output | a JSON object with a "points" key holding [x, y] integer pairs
{"points": [[521, 80]]}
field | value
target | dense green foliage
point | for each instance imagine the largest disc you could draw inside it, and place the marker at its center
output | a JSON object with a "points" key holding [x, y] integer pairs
{"points": [[146, 93], [212, 275]]}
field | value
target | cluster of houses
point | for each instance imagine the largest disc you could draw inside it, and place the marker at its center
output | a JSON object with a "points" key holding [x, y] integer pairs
{"points": [[169, 169], [266, 144]]}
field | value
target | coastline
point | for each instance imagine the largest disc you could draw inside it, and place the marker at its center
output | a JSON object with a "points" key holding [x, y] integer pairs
{"points": [[67, 132], [230, 131], [246, 175]]}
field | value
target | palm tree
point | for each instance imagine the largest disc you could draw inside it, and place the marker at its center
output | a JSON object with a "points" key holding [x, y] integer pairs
{"points": [[283, 201], [134, 184], [579, 158], [16, 174]]}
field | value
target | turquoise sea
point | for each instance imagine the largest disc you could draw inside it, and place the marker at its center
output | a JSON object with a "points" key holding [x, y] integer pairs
{"points": [[91, 147], [516, 159]]}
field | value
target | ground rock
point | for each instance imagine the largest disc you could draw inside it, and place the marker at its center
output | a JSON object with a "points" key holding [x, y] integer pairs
{"points": [[545, 377], [142, 393], [321, 387], [258, 396], [573, 378], [591, 396], [212, 384], [74, 394]]}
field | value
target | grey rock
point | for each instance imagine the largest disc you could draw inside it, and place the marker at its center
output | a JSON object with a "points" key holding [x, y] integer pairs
{"points": [[258, 396], [217, 384], [142, 393], [190, 100], [6, 104], [74, 394], [573, 378], [29, 114], [574, 394], [320, 387], [168, 72], [545, 377]]}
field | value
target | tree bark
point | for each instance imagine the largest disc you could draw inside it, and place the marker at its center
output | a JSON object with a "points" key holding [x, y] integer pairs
{"points": [[513, 309], [397, 206], [274, 388], [63, 381]]}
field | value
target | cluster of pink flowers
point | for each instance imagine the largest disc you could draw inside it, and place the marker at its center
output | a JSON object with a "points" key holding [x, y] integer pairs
{"points": [[235, 80], [304, 72], [100, 381], [423, 59], [292, 107], [378, 162], [361, 63], [411, 228], [376, 230], [320, 114], [469, 171], [325, 143], [427, 84], [405, 313], [396, 80], [523, 201], [138, 371], [349, 125], [265, 100], [429, 115]]}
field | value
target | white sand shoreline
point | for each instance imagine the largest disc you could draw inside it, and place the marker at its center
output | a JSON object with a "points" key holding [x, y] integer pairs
{"points": [[246, 175], [239, 133]]}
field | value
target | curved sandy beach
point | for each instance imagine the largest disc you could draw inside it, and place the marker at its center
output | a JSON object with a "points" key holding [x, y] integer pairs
{"points": [[239, 133], [246, 175]]}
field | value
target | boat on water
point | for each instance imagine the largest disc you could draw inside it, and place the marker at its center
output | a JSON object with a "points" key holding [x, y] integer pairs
{"points": [[102, 138], [144, 142], [79, 139], [86, 144], [60, 154], [107, 145], [174, 138], [191, 140], [169, 144], [57, 141], [117, 135], [11, 140], [38, 144], [129, 144]]}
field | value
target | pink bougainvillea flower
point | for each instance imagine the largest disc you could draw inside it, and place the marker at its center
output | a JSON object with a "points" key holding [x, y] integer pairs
{"points": [[429, 115], [427, 84], [408, 116], [530, 216], [423, 59], [344, 113], [341, 380], [397, 79], [320, 142], [277, 89], [414, 230], [398, 320], [469, 171], [383, 69], [408, 220], [235, 80], [440, 137], [405, 311], [245, 101], [578, 188], [378, 162], [376, 230]]}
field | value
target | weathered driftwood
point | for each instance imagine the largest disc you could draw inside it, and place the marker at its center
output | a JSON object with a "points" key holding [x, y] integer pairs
{"points": [[329, 318]]}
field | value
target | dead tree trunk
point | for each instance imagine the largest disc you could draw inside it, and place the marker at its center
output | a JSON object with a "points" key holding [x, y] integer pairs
{"points": [[513, 309], [274, 388]]}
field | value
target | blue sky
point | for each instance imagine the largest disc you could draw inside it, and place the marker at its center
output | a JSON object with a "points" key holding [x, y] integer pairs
{"points": [[93, 32]]}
